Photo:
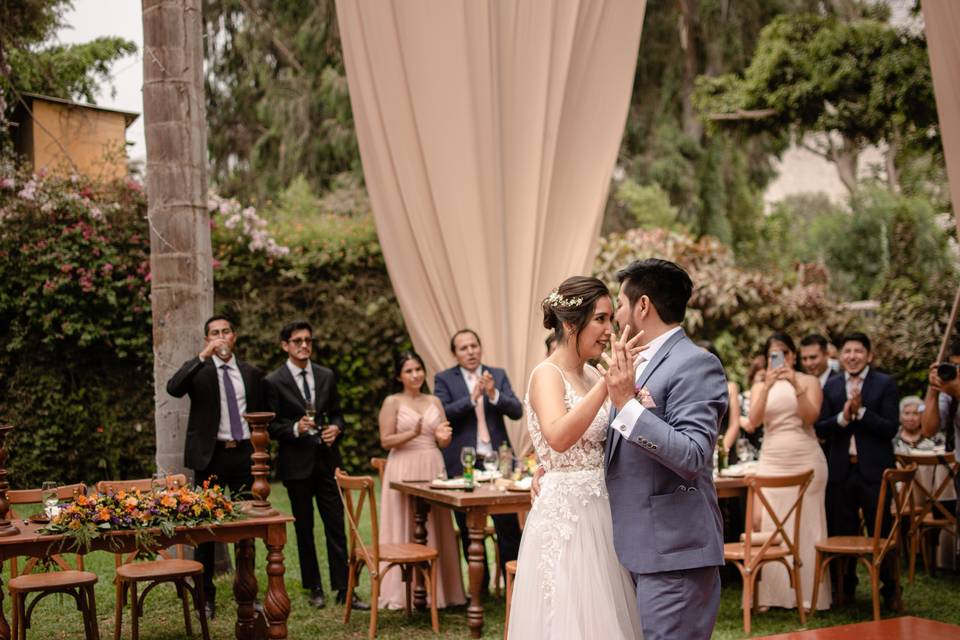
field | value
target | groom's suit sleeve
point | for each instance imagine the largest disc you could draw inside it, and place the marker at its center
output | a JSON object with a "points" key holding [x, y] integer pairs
{"points": [[684, 439]]}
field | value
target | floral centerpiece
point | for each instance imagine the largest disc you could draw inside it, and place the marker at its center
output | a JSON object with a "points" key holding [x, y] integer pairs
{"points": [[90, 516]]}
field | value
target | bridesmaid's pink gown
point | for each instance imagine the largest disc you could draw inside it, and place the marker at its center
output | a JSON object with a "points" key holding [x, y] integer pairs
{"points": [[418, 459]]}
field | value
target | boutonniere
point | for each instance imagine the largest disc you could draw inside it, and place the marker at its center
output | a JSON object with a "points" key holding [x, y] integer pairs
{"points": [[643, 396]]}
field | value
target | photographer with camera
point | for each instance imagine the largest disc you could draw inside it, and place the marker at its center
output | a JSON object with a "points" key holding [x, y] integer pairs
{"points": [[943, 397]]}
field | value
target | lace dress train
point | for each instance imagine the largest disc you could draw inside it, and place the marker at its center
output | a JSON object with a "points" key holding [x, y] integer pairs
{"points": [[569, 582]]}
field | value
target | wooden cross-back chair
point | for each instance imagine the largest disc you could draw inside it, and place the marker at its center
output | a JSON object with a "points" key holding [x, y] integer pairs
{"points": [[756, 550], [175, 568], [357, 493], [927, 513], [67, 579], [871, 551]]}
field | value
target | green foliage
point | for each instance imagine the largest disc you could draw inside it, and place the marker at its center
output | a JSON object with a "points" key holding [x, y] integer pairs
{"points": [[853, 83], [277, 102], [648, 205], [75, 328]]}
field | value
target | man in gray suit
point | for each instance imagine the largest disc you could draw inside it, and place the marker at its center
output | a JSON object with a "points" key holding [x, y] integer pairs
{"points": [[667, 527]]}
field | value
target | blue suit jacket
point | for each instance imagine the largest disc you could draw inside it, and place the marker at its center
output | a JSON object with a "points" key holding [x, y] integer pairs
{"points": [[874, 434], [660, 469], [450, 387]]}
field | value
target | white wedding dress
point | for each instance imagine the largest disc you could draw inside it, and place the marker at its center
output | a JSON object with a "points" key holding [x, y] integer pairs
{"points": [[569, 582]]}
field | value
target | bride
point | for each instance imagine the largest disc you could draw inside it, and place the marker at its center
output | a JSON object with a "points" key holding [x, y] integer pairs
{"points": [[569, 582]]}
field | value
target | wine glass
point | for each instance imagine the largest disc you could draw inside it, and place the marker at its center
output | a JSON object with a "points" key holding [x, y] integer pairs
{"points": [[491, 463], [310, 411], [48, 494], [468, 456], [158, 482], [744, 452]]}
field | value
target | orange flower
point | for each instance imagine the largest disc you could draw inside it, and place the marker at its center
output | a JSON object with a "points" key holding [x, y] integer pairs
{"points": [[131, 502], [104, 514], [168, 501]]}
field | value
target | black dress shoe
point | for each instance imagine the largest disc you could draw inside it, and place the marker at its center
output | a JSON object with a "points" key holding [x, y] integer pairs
{"points": [[317, 600], [209, 610], [357, 602]]}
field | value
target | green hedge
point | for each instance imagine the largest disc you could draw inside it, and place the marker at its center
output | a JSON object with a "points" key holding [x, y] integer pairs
{"points": [[75, 327]]}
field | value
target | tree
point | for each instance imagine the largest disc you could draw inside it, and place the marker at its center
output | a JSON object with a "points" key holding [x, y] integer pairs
{"points": [[180, 253], [834, 87], [277, 101], [28, 62]]}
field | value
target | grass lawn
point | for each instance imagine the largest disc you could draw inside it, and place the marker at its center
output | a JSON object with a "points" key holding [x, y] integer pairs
{"points": [[56, 617]]}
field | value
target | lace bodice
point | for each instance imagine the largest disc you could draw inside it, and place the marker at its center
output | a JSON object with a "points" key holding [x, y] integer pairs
{"points": [[586, 453]]}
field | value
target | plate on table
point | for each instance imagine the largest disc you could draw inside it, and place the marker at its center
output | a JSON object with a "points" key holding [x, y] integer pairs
{"points": [[522, 485], [39, 518]]}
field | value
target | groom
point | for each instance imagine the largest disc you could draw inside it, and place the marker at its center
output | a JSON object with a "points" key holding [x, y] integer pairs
{"points": [[667, 527]]}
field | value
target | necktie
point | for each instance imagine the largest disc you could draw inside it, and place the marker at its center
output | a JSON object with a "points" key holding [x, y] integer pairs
{"points": [[236, 426], [306, 387], [482, 430]]}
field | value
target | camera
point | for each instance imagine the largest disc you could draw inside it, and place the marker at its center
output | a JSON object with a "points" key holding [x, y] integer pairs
{"points": [[947, 371]]}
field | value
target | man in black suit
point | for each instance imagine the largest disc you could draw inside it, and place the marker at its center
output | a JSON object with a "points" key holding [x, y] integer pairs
{"points": [[859, 419], [475, 398], [308, 425], [221, 390]]}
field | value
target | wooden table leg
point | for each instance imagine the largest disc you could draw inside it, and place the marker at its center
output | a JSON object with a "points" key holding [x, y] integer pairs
{"points": [[277, 604], [421, 511], [245, 590], [476, 524]]}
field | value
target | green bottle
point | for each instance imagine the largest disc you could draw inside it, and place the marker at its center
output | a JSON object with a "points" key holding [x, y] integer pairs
{"points": [[468, 477]]}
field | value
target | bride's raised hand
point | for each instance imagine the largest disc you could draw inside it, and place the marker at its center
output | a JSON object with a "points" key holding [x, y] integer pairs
{"points": [[634, 348]]}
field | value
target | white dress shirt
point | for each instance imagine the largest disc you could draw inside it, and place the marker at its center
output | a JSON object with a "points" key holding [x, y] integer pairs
{"points": [[824, 377], [628, 415], [477, 374], [852, 450], [223, 431], [297, 372]]}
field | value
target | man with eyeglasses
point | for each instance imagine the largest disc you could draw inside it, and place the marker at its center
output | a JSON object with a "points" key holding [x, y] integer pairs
{"points": [[308, 427], [221, 390]]}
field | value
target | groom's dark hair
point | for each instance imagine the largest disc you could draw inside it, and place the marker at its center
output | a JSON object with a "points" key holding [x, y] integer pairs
{"points": [[667, 285]]}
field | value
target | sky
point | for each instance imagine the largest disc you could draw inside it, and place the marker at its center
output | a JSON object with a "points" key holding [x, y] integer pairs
{"points": [[90, 19]]}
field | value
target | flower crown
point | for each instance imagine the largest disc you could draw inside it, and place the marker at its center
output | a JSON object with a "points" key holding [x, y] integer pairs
{"points": [[557, 300]]}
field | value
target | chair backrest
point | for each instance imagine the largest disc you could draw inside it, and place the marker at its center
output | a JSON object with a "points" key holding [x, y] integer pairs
{"points": [[755, 495], [35, 497], [357, 492], [144, 485], [380, 464], [900, 484]]}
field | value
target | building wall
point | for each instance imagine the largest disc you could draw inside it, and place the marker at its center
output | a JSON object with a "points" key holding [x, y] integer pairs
{"points": [[94, 140]]}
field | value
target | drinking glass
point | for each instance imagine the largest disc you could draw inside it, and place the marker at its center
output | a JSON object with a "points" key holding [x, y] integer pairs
{"points": [[159, 481], [744, 452], [491, 462], [310, 411], [48, 494], [518, 469]]}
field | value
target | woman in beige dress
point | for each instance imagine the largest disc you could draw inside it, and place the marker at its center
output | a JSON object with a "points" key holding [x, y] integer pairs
{"points": [[787, 403], [413, 427]]}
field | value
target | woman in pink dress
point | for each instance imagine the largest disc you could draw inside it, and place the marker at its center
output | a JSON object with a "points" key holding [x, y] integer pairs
{"points": [[413, 427], [787, 402]]}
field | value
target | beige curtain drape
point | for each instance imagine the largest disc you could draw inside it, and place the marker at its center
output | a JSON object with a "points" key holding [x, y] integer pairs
{"points": [[488, 131], [942, 20]]}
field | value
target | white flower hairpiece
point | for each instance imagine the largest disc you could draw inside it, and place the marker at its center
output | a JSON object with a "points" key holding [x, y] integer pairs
{"points": [[557, 300]]}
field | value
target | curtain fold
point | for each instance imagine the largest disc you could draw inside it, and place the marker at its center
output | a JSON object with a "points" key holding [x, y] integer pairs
{"points": [[488, 130], [942, 25]]}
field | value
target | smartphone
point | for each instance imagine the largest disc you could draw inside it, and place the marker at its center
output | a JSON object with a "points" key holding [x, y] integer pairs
{"points": [[776, 360]]}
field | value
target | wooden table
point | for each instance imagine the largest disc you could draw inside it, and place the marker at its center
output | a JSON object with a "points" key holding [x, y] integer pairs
{"points": [[272, 530], [728, 487], [902, 628], [478, 504]]}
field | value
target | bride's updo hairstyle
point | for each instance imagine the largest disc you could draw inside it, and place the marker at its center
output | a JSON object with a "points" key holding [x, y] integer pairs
{"points": [[573, 302]]}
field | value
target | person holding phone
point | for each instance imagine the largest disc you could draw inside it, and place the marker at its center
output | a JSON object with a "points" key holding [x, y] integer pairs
{"points": [[787, 402]]}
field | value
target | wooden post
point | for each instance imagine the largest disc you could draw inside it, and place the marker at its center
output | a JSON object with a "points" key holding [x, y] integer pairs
{"points": [[260, 507], [181, 261]]}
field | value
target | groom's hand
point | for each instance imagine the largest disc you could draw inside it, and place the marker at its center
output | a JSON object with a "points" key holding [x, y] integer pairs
{"points": [[620, 377]]}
